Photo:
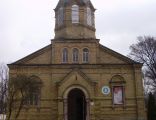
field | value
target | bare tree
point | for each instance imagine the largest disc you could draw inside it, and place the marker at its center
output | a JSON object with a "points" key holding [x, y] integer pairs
{"points": [[15, 91], [3, 87], [144, 51], [20, 88]]}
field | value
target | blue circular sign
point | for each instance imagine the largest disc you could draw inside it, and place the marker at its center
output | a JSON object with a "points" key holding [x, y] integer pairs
{"points": [[105, 90]]}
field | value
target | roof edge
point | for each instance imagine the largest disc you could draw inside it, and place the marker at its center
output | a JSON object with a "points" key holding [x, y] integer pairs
{"points": [[119, 55], [30, 56]]}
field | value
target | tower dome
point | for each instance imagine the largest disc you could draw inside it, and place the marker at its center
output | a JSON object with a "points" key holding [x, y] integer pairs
{"points": [[74, 19]]}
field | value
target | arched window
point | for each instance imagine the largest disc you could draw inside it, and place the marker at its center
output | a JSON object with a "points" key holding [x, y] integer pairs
{"points": [[75, 14], [75, 55], [85, 55], [34, 91], [89, 16], [118, 90], [60, 17], [34, 97], [65, 55]]}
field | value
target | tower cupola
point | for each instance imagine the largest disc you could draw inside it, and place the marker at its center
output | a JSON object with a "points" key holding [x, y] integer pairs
{"points": [[74, 19]]}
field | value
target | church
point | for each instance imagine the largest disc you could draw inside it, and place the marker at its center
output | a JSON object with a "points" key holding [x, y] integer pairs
{"points": [[82, 79]]}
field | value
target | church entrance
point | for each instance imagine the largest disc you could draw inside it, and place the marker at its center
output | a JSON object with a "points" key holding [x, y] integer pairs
{"points": [[76, 105]]}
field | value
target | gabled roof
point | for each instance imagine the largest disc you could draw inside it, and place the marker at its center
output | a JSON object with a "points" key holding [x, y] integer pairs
{"points": [[33, 55], [48, 48], [118, 55], [80, 73]]}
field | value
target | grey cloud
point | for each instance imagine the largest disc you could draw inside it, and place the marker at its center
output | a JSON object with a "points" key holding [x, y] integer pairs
{"points": [[28, 25]]}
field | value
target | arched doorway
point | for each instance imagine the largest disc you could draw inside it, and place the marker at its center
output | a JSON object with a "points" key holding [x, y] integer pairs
{"points": [[76, 105]]}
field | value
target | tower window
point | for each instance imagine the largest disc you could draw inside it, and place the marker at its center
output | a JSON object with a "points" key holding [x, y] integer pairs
{"points": [[93, 22], [60, 17], [65, 55], [89, 17], [85, 55], [75, 55], [75, 14]]}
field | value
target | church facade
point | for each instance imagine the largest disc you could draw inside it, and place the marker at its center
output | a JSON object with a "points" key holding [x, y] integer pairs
{"points": [[82, 79]]}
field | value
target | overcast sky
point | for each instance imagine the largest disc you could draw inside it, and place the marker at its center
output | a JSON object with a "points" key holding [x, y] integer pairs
{"points": [[28, 25]]}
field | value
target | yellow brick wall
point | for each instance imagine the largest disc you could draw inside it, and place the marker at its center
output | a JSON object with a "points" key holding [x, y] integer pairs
{"points": [[102, 108]]}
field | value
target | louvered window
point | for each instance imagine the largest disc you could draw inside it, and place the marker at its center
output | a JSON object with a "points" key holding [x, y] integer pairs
{"points": [[89, 17], [60, 17], [75, 14]]}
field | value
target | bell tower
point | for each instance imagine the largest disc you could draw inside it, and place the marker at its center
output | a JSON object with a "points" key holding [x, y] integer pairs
{"points": [[74, 20]]}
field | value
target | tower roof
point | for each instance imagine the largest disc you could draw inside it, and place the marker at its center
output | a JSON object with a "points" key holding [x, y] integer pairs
{"points": [[64, 3]]}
